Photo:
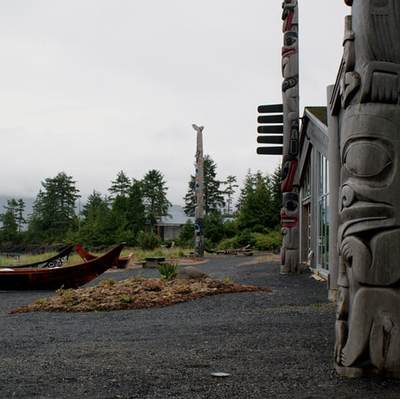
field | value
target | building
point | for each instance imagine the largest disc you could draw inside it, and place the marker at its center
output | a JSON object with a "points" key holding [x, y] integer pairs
{"points": [[313, 182], [170, 226]]}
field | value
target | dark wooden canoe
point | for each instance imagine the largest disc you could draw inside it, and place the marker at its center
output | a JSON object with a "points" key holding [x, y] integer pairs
{"points": [[67, 276], [55, 261], [121, 263]]}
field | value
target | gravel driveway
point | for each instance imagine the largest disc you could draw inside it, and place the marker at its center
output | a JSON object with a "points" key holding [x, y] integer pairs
{"points": [[275, 345]]}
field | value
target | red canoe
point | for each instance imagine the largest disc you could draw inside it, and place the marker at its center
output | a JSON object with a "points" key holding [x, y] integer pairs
{"points": [[67, 276], [120, 263]]}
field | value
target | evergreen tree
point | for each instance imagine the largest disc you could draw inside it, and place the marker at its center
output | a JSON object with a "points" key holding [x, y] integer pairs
{"points": [[230, 186], [19, 217], [213, 195], [256, 206], [96, 228], [136, 209], [214, 227], [120, 186], [155, 199], [54, 208], [9, 228], [248, 189], [276, 194]]}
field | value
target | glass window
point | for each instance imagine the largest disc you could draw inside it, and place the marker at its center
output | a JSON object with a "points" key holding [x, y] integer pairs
{"points": [[323, 236], [307, 183]]}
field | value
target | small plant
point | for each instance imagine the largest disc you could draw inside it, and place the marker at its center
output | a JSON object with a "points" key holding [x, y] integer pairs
{"points": [[168, 271], [125, 298], [107, 283], [68, 296], [228, 281]]}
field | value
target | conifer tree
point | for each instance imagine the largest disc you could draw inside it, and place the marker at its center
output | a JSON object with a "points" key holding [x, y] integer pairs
{"points": [[213, 195], [155, 199], [256, 210], [230, 188], [54, 208], [9, 228], [120, 186]]}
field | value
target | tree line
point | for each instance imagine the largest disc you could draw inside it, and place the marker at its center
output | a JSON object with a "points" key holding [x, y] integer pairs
{"points": [[132, 208]]}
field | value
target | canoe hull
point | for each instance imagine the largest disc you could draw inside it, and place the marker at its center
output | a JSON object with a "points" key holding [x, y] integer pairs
{"points": [[66, 277]]}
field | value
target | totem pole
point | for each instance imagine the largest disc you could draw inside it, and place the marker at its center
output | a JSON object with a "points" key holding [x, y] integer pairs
{"points": [[290, 95], [199, 188], [368, 308]]}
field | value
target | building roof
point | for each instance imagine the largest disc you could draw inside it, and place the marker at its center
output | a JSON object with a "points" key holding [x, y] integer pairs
{"points": [[176, 216], [320, 113]]}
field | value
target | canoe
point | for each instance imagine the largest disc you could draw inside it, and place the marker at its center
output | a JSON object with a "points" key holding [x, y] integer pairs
{"points": [[121, 263], [66, 276], [55, 261]]}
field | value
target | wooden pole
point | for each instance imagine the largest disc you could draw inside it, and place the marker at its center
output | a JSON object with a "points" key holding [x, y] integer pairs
{"points": [[199, 187]]}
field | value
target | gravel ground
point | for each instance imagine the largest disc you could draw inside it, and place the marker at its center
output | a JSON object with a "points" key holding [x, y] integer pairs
{"points": [[275, 345]]}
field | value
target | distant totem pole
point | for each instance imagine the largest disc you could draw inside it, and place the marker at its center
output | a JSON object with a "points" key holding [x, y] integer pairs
{"points": [[199, 188], [368, 308], [290, 95]]}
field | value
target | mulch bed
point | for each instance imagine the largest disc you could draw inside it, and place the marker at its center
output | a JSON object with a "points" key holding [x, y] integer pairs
{"points": [[134, 293]]}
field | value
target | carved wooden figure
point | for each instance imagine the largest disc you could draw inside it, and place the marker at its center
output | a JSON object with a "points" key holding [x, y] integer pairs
{"points": [[368, 307], [290, 96], [199, 182]]}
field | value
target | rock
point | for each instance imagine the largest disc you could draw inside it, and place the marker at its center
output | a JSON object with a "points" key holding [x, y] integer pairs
{"points": [[191, 273]]}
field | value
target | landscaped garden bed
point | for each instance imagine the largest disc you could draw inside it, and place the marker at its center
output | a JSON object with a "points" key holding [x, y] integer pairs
{"points": [[134, 293]]}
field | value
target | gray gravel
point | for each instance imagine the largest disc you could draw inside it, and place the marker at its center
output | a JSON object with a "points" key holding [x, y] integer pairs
{"points": [[275, 345]]}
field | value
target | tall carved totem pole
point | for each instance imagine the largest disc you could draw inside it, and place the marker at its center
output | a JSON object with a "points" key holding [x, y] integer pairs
{"points": [[199, 188], [368, 309], [290, 96]]}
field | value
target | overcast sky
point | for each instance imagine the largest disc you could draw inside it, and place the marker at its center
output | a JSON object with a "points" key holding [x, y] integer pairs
{"points": [[91, 87]]}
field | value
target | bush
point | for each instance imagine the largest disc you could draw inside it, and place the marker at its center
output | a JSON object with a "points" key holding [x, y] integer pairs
{"points": [[230, 228], [168, 271], [228, 243], [267, 242], [259, 241], [246, 237], [214, 227], [259, 228], [148, 240], [186, 236]]}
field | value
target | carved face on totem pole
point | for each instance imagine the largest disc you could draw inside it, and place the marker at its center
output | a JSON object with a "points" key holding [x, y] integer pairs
{"points": [[368, 312]]}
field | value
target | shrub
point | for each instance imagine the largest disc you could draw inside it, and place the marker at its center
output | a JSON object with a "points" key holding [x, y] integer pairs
{"points": [[214, 227], [168, 271], [245, 238], [230, 228], [261, 242], [267, 242], [148, 240], [228, 243]]}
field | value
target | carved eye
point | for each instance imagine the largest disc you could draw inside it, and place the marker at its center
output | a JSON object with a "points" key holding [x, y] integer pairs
{"points": [[366, 159]]}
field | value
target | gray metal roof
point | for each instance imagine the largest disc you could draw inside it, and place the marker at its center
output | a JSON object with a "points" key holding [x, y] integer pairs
{"points": [[176, 216]]}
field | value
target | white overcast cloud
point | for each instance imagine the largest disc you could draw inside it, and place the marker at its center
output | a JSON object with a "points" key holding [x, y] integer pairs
{"points": [[91, 87]]}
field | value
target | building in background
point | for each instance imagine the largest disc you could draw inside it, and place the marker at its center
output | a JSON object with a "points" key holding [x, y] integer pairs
{"points": [[170, 226]]}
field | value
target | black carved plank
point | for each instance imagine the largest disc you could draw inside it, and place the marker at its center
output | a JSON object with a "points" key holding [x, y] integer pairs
{"points": [[270, 139], [270, 119], [269, 150], [270, 109], [270, 129]]}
